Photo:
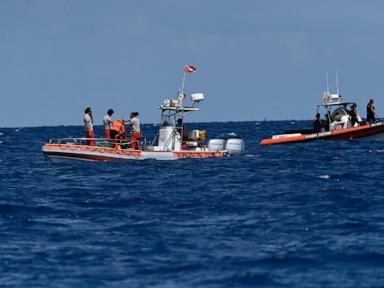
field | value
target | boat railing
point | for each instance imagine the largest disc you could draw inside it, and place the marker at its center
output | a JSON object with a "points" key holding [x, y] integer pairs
{"points": [[79, 141], [99, 142]]}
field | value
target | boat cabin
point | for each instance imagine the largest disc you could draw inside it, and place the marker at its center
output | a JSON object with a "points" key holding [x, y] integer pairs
{"points": [[336, 112], [173, 135]]}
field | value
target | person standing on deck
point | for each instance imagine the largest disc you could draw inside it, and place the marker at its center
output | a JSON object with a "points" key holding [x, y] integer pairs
{"points": [[183, 132], [371, 114], [317, 123], [107, 123], [88, 126], [325, 122], [134, 123], [354, 116]]}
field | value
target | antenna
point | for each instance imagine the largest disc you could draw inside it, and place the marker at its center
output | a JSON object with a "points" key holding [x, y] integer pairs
{"points": [[337, 83], [327, 82]]}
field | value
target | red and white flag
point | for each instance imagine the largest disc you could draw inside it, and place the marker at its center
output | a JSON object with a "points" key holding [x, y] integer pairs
{"points": [[189, 69]]}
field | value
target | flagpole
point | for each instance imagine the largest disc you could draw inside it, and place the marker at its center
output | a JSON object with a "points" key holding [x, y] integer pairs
{"points": [[182, 84]]}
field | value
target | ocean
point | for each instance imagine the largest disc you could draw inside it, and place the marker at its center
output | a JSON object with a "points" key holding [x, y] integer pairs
{"points": [[297, 215]]}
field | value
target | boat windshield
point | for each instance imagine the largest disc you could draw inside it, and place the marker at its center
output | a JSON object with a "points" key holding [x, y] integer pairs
{"points": [[336, 111], [338, 114]]}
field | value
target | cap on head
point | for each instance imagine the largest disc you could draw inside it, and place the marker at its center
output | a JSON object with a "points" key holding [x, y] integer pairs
{"points": [[87, 110], [110, 112]]}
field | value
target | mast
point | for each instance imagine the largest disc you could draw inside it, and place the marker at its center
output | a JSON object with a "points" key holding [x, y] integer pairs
{"points": [[182, 84], [337, 83]]}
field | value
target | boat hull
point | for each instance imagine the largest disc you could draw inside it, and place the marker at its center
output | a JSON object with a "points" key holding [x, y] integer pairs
{"points": [[370, 132], [63, 152]]}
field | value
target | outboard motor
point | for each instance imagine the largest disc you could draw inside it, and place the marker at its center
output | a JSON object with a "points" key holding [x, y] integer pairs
{"points": [[235, 146], [216, 144]]}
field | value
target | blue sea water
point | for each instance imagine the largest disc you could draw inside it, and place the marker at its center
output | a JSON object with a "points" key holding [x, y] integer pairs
{"points": [[298, 215]]}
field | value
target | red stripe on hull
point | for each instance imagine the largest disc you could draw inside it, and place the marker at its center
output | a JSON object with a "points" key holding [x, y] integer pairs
{"points": [[371, 131], [202, 154]]}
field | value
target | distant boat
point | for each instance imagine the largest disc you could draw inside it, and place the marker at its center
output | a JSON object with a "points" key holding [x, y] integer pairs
{"points": [[337, 125]]}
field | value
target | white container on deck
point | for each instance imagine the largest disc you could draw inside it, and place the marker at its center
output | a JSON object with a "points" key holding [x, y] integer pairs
{"points": [[168, 139], [216, 144], [235, 146]]}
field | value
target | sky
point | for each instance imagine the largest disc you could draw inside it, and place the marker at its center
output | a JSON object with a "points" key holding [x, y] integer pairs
{"points": [[256, 59]]}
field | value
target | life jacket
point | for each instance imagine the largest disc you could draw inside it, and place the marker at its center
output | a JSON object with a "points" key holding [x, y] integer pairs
{"points": [[118, 126]]}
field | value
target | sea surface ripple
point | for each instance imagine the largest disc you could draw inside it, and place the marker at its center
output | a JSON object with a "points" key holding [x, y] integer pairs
{"points": [[298, 215]]}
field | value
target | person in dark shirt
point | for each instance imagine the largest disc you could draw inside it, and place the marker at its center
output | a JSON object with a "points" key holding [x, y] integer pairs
{"points": [[182, 129], [317, 123], [353, 114], [371, 114], [325, 122]]}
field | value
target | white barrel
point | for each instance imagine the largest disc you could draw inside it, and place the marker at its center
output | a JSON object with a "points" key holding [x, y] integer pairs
{"points": [[216, 144], [235, 146]]}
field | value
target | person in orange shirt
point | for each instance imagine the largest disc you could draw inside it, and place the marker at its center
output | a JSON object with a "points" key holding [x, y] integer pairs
{"points": [[117, 130]]}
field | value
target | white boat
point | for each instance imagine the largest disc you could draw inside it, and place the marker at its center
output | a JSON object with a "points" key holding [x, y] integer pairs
{"points": [[172, 141]]}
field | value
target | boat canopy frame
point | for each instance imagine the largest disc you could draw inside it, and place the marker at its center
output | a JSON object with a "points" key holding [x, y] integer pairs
{"points": [[330, 107], [174, 110]]}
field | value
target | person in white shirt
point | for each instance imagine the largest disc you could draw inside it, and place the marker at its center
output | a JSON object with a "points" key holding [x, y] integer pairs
{"points": [[134, 123], [88, 126], [107, 123]]}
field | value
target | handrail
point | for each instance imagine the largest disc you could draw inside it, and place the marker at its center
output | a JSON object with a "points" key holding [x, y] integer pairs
{"points": [[102, 142]]}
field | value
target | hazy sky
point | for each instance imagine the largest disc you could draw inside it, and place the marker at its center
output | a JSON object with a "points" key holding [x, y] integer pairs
{"points": [[255, 58]]}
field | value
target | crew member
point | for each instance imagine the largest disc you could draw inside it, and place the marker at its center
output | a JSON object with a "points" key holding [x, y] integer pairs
{"points": [[117, 130], [107, 122], [354, 115], [134, 123], [88, 126], [325, 122], [317, 123], [371, 114], [182, 129]]}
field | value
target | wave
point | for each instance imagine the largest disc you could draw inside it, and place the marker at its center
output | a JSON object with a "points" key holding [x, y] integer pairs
{"points": [[251, 156], [231, 134], [324, 176]]}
